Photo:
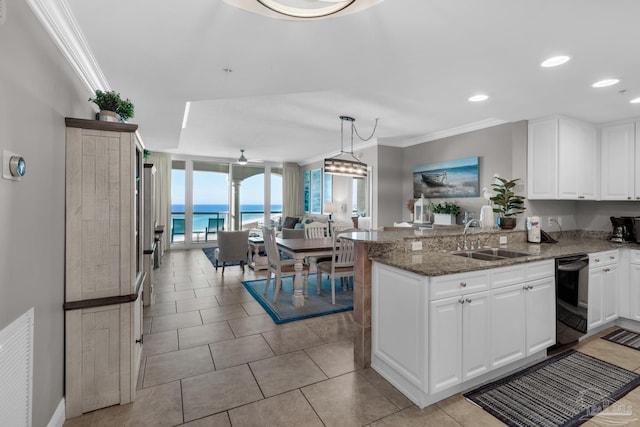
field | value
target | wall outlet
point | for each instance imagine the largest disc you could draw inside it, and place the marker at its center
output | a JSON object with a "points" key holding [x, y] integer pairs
{"points": [[416, 246], [554, 220], [503, 240]]}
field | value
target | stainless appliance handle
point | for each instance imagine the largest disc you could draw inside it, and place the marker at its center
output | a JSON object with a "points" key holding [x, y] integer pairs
{"points": [[572, 263]]}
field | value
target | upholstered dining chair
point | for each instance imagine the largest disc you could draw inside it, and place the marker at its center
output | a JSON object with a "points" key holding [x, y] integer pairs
{"points": [[341, 264], [276, 266], [232, 246]]}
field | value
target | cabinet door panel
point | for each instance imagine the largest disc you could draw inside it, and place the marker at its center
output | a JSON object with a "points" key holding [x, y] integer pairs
{"points": [[542, 159], [596, 283], [445, 344], [634, 276], [541, 315], [617, 162], [507, 325], [610, 293], [476, 358]]}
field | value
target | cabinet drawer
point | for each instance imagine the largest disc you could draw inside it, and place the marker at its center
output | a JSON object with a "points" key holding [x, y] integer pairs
{"points": [[539, 270], [599, 259], [635, 257], [458, 284], [505, 276]]}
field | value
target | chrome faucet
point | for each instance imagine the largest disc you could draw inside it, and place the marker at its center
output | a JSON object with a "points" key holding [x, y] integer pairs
{"points": [[466, 228]]}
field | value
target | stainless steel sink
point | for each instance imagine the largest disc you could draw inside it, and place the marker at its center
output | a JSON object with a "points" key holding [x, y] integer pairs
{"points": [[491, 254]]}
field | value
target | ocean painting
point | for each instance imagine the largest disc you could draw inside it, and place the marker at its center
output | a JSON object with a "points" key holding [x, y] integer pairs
{"points": [[454, 178]]}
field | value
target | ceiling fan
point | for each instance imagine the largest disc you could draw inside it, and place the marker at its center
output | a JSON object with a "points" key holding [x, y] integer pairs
{"points": [[243, 161]]}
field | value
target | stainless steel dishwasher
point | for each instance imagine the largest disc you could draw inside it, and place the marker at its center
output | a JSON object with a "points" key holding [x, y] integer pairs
{"points": [[572, 296]]}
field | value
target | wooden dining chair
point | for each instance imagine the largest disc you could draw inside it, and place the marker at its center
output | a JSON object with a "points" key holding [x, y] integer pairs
{"points": [[341, 264], [277, 267], [316, 230]]}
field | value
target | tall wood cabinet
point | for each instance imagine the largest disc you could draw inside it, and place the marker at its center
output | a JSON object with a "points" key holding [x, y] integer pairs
{"points": [[103, 264]]}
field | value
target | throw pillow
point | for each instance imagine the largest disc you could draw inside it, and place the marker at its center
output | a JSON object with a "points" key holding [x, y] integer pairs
{"points": [[290, 222]]}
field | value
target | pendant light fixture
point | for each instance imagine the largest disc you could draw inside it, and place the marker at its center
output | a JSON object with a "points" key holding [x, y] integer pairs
{"points": [[347, 167], [242, 160]]}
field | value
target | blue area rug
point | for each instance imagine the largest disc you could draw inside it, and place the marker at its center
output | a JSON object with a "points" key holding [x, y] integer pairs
{"points": [[283, 310]]}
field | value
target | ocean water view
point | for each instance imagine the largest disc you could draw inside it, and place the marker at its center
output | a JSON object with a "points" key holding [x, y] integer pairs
{"points": [[202, 213]]}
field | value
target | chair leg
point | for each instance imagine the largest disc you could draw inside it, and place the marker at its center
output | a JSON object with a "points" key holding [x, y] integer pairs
{"points": [[278, 285], [268, 281], [216, 264], [319, 283], [333, 290], [223, 267], [242, 266]]}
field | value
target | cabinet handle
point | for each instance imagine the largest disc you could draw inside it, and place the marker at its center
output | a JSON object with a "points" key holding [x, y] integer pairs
{"points": [[141, 340], [596, 260], [612, 257], [468, 300], [461, 300], [637, 197], [629, 198], [606, 270], [580, 197], [463, 284]]}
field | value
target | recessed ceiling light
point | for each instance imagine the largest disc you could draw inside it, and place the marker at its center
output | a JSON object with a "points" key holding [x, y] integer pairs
{"points": [[555, 61], [605, 83], [479, 98], [635, 101]]}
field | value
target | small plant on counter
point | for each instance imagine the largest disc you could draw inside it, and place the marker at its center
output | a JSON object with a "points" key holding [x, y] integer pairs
{"points": [[111, 101], [445, 208], [507, 202]]}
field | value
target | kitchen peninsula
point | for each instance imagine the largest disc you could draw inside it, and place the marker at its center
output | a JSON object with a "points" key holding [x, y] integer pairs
{"points": [[412, 308]]}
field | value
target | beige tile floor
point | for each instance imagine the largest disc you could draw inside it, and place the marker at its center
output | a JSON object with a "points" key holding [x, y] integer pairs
{"points": [[213, 357]]}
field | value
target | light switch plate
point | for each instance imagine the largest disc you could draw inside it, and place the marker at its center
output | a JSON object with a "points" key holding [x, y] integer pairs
{"points": [[503, 240], [416, 246]]}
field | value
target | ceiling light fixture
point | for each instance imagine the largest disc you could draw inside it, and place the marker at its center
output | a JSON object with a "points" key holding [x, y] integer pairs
{"points": [[329, 8], [242, 160], [478, 98], [605, 83], [345, 167], [635, 101], [555, 61]]}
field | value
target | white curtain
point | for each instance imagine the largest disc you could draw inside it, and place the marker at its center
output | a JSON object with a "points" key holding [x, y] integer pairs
{"points": [[291, 205], [162, 197]]}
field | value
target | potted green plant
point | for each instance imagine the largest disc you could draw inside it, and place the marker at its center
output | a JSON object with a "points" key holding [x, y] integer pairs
{"points": [[112, 107], [444, 213], [507, 203]]}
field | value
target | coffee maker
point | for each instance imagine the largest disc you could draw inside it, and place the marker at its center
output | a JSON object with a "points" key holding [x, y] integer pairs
{"points": [[623, 229]]}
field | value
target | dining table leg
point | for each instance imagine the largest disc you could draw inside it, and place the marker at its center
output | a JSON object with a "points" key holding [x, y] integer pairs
{"points": [[298, 267]]}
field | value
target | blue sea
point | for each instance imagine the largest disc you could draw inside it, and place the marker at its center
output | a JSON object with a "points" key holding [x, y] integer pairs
{"points": [[202, 213]]}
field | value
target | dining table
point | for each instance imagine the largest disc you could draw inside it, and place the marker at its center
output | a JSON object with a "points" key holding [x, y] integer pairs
{"points": [[299, 249]]}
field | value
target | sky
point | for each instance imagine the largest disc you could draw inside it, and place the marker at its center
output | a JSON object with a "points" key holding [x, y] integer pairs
{"points": [[212, 188]]}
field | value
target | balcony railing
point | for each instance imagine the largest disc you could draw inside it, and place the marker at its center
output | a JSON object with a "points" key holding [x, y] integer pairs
{"points": [[219, 221]]}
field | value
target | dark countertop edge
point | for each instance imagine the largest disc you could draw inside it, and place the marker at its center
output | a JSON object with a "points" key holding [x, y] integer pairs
{"points": [[459, 264]]}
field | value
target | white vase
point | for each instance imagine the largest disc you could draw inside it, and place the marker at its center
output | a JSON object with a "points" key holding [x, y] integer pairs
{"points": [[486, 217], [444, 219]]}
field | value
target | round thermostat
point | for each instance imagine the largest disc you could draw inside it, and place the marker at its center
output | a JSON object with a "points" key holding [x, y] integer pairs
{"points": [[17, 166]]}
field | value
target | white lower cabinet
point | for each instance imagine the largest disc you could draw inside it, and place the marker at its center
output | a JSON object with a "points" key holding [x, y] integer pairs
{"points": [[634, 285], [432, 335], [603, 289], [508, 325], [459, 339]]}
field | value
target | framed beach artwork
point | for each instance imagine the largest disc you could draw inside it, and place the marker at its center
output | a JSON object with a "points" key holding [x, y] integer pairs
{"points": [[453, 178]]}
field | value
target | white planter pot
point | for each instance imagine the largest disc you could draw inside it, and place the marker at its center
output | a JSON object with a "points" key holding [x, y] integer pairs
{"points": [[444, 219]]}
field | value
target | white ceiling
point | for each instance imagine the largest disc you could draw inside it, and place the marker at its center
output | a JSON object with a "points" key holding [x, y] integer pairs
{"points": [[412, 63]]}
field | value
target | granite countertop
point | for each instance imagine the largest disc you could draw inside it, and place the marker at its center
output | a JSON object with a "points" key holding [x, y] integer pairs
{"points": [[438, 263]]}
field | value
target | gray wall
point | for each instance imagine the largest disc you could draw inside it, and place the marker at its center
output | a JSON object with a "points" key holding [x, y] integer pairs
{"points": [[501, 149], [38, 90], [389, 194]]}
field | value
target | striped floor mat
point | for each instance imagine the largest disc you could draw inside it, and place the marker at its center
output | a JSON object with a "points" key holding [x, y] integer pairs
{"points": [[564, 390], [623, 337]]}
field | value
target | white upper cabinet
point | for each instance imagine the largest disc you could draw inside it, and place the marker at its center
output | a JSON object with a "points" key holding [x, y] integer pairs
{"points": [[542, 159], [562, 159], [619, 163]]}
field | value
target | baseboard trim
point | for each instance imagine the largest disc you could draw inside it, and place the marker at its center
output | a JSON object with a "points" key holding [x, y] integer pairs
{"points": [[58, 418]]}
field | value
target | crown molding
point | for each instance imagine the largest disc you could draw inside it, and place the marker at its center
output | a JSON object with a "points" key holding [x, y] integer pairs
{"points": [[59, 22], [470, 127]]}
